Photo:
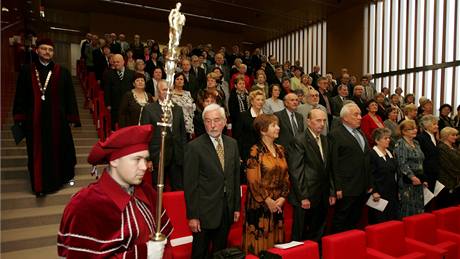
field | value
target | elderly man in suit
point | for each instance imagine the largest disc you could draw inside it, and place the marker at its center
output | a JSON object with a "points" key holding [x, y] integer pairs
{"points": [[175, 139], [117, 82], [312, 98], [311, 183], [290, 121], [212, 184], [350, 164], [337, 104]]}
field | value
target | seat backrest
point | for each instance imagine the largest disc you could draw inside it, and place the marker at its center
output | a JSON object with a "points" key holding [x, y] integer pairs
{"points": [[421, 227], [174, 204], [448, 219], [387, 237], [345, 245]]}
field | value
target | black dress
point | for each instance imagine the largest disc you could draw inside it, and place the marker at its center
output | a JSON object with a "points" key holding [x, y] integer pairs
{"points": [[246, 136], [384, 171], [130, 111]]}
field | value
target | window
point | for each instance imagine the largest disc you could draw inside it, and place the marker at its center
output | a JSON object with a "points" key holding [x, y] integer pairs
{"points": [[414, 44]]}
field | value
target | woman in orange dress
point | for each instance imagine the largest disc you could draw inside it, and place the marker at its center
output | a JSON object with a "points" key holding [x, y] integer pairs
{"points": [[268, 182]]}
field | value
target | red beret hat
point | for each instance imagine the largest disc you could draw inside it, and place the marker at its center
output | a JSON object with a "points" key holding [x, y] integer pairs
{"points": [[121, 143], [45, 41]]}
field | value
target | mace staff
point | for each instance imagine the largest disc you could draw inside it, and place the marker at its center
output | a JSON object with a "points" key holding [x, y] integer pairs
{"points": [[176, 22]]}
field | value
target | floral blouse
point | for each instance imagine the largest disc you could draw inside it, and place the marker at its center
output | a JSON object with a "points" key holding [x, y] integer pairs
{"points": [[184, 100]]}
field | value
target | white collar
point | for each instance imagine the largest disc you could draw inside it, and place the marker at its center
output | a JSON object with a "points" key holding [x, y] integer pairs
{"points": [[43, 63], [253, 113], [382, 155]]}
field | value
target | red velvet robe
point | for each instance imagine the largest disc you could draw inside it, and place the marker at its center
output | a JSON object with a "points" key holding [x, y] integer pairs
{"points": [[104, 221]]}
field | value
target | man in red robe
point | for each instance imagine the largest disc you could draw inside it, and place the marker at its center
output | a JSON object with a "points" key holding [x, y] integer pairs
{"points": [[115, 217], [44, 106]]}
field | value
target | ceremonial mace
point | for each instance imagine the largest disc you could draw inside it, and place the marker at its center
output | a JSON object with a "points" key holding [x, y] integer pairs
{"points": [[176, 22]]}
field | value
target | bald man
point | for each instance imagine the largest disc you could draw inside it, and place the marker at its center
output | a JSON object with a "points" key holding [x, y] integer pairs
{"points": [[118, 81]]}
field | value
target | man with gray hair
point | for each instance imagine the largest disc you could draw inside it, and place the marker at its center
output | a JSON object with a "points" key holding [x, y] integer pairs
{"points": [[212, 184], [312, 103], [428, 144], [351, 169]]}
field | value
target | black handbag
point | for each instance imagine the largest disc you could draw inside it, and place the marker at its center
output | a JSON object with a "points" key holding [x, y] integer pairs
{"points": [[229, 253], [267, 255]]}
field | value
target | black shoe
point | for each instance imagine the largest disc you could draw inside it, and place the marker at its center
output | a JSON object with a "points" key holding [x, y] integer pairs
{"points": [[40, 194]]}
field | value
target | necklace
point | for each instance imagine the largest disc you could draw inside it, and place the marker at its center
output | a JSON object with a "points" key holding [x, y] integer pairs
{"points": [[43, 89], [140, 102]]}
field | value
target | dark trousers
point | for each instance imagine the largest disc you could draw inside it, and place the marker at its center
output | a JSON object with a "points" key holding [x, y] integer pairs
{"points": [[217, 238], [309, 224], [174, 173], [348, 212]]}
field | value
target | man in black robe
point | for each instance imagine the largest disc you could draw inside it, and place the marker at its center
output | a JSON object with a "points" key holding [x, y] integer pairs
{"points": [[44, 106]]}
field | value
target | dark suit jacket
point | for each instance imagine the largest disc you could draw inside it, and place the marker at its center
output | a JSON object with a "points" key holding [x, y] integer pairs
{"points": [[349, 164], [234, 107], [309, 173], [361, 104], [245, 134], [286, 135], [205, 181], [100, 63], [431, 162], [150, 88], [175, 139], [336, 105], [225, 70], [114, 88], [196, 82], [150, 66]]}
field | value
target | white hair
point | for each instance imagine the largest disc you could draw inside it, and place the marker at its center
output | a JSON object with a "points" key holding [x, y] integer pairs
{"points": [[213, 107], [346, 109]]}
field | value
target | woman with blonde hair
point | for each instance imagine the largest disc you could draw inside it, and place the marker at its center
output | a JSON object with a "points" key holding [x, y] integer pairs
{"points": [[449, 173]]}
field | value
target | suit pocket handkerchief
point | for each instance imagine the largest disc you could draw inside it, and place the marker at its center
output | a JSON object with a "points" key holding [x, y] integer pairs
{"points": [[18, 133]]}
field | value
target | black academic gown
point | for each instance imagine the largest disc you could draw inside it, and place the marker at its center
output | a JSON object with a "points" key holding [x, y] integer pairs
{"points": [[50, 147]]}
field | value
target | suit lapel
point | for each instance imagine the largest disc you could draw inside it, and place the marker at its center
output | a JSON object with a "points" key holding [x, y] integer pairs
{"points": [[314, 144], [352, 138], [288, 121]]}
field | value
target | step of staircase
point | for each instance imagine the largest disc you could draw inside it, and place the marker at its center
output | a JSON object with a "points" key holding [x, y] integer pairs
{"points": [[44, 252], [22, 151], [29, 237]]}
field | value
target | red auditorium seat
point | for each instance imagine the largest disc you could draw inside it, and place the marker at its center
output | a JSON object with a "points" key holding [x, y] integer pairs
{"points": [[309, 250], [389, 238], [181, 238], [423, 228], [350, 245], [235, 235], [448, 219]]}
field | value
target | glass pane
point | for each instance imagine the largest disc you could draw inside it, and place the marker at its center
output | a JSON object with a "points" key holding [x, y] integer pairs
{"points": [[310, 49], [429, 32], [420, 32], [378, 54], [437, 88], [386, 36], [401, 81], [394, 35], [418, 84], [457, 33], [305, 49], [456, 88], [410, 85], [450, 30], [372, 36], [428, 84], [366, 40], [402, 35], [448, 91], [411, 33], [439, 31], [314, 46], [324, 48]]}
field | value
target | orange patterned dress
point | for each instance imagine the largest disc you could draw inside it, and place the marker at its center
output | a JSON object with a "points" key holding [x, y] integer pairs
{"points": [[267, 176]]}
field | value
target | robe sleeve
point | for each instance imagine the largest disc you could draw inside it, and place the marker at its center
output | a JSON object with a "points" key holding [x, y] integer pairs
{"points": [[20, 99], [71, 106]]}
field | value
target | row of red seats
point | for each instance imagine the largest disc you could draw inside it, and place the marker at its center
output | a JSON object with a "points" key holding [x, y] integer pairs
{"points": [[95, 101], [426, 235]]}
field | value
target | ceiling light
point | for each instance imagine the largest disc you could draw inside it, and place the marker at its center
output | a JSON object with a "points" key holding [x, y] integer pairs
{"points": [[64, 29], [4, 9]]}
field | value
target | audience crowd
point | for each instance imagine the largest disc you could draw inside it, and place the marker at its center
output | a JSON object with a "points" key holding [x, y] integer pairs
{"points": [[311, 139]]}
